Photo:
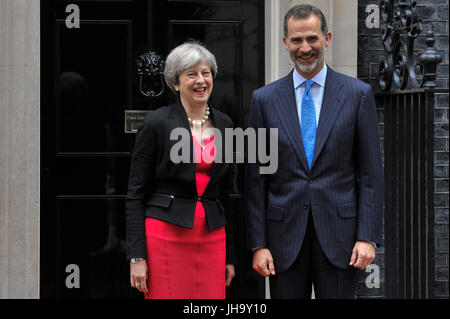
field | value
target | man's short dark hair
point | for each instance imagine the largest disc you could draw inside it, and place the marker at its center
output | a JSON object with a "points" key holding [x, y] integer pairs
{"points": [[304, 11]]}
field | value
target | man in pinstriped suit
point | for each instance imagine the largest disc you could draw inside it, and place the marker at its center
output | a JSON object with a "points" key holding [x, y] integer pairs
{"points": [[320, 215]]}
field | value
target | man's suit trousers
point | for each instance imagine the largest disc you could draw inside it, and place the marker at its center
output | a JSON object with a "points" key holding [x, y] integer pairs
{"points": [[313, 268]]}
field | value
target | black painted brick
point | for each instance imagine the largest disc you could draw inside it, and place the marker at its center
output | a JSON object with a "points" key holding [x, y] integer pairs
{"points": [[363, 42], [442, 71], [441, 258], [438, 27], [441, 145], [441, 288], [442, 100], [440, 230], [442, 42], [441, 171], [440, 200], [426, 12], [441, 273], [365, 3], [441, 244], [442, 12], [430, 2], [441, 115], [441, 216], [363, 71], [441, 158], [441, 129], [441, 185], [376, 42]]}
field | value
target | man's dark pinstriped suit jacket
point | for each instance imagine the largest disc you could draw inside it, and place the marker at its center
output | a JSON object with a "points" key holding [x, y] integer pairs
{"points": [[344, 189]]}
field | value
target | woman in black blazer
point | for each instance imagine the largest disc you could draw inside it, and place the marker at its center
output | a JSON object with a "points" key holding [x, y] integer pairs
{"points": [[175, 210]]}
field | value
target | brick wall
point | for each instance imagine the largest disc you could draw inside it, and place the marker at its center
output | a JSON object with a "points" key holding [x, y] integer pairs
{"points": [[434, 15]]}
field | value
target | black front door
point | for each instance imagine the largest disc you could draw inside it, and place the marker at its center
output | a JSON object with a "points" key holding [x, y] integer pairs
{"points": [[89, 80]]}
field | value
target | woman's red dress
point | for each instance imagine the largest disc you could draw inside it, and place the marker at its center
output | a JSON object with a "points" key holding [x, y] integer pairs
{"points": [[187, 263]]}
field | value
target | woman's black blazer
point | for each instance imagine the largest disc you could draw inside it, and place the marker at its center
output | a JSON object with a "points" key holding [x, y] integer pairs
{"points": [[167, 191]]}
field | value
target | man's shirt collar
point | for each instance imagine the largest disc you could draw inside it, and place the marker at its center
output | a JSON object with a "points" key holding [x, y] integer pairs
{"points": [[319, 78]]}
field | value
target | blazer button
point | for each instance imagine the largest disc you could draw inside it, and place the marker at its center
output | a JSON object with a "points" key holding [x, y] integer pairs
{"points": [[305, 206]]}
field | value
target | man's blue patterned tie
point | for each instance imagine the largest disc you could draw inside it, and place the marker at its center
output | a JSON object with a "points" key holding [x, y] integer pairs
{"points": [[308, 125]]}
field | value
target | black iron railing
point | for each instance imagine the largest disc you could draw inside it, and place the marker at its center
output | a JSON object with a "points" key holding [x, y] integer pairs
{"points": [[407, 102], [409, 193]]}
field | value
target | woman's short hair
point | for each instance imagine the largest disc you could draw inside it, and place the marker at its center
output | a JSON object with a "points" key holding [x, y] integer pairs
{"points": [[184, 57]]}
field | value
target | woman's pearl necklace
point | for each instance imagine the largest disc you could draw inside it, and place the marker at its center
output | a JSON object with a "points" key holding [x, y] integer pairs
{"points": [[198, 123]]}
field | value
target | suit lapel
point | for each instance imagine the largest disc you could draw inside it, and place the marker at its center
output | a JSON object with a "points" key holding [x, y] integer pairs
{"points": [[219, 124], [287, 110], [333, 100], [178, 119]]}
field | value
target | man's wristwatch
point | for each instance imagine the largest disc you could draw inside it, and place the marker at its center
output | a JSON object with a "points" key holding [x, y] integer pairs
{"points": [[136, 260]]}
